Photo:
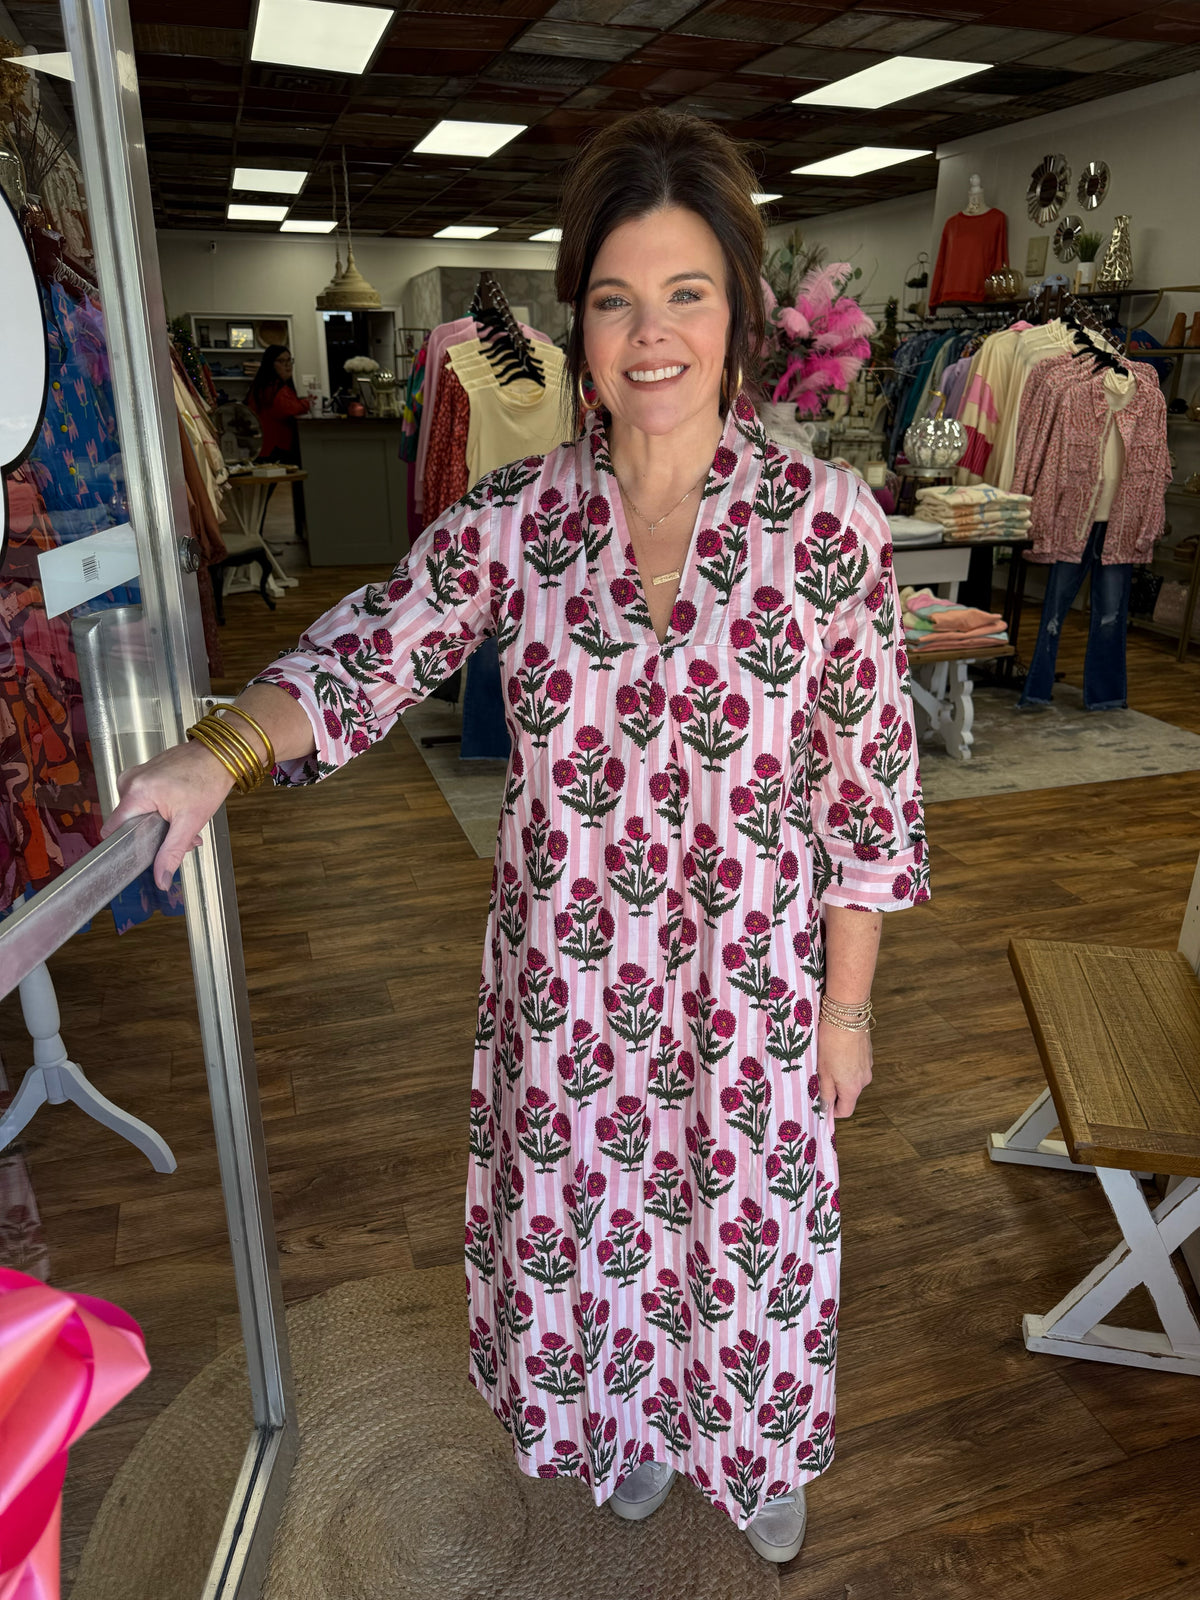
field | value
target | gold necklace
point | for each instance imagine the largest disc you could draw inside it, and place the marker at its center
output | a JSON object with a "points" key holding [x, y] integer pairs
{"points": [[663, 577], [652, 525]]}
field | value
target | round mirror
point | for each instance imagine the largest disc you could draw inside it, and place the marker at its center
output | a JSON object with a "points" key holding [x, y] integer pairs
{"points": [[1066, 238], [1093, 185], [1047, 189]]}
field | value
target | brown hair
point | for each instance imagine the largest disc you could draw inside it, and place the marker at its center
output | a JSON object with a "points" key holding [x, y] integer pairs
{"points": [[642, 163]]}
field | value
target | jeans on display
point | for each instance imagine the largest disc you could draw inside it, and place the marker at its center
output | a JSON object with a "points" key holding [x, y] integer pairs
{"points": [[1104, 665], [484, 730]]}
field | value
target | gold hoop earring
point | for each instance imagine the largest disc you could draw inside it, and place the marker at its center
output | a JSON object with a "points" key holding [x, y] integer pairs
{"points": [[725, 394], [584, 402]]}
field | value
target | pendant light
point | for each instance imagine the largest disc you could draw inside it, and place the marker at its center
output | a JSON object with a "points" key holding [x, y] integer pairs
{"points": [[324, 303], [350, 292]]}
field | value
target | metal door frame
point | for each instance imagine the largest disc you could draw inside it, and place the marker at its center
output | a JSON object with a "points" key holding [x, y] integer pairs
{"points": [[113, 158]]}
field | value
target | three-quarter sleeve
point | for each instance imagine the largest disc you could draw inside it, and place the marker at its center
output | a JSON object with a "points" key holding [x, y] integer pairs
{"points": [[389, 645], [865, 787]]}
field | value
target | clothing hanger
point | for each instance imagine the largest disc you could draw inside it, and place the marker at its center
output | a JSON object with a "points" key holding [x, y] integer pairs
{"points": [[507, 348], [1083, 322]]}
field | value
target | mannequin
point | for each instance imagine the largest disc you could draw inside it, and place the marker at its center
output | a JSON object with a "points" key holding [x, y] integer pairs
{"points": [[974, 245], [976, 205]]}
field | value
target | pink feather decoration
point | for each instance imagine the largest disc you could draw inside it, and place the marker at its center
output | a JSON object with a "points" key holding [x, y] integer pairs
{"points": [[825, 339]]}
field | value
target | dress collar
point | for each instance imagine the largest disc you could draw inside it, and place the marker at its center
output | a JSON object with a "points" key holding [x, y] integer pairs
{"points": [[730, 487]]}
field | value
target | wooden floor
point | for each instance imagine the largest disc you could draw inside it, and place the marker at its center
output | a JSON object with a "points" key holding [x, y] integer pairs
{"points": [[966, 1466]]}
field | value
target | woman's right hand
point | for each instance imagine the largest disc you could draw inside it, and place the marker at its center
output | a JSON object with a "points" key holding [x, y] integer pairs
{"points": [[186, 785]]}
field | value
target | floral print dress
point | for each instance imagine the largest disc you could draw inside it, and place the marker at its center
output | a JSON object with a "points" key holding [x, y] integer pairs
{"points": [[652, 1227]]}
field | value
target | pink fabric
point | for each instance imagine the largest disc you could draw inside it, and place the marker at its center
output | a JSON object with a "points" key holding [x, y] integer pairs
{"points": [[653, 1225], [438, 342], [65, 1360], [1059, 460]]}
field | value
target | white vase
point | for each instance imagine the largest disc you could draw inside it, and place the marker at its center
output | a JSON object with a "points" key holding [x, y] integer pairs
{"points": [[1087, 274]]}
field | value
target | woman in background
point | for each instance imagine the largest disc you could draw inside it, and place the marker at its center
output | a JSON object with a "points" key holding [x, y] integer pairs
{"points": [[273, 399]]}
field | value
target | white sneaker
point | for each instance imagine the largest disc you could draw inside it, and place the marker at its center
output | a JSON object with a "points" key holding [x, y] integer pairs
{"points": [[777, 1532], [643, 1491]]}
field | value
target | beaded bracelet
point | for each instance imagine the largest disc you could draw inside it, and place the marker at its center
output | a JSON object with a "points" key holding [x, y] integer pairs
{"points": [[858, 1018]]}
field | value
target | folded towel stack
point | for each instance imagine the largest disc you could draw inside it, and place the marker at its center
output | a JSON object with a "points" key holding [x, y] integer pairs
{"points": [[931, 623], [976, 512]]}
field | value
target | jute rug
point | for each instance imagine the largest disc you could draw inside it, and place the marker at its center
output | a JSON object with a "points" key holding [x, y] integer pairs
{"points": [[1012, 752], [406, 1487]]}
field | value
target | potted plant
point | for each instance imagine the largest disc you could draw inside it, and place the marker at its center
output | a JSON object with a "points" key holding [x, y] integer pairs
{"points": [[1089, 249]]}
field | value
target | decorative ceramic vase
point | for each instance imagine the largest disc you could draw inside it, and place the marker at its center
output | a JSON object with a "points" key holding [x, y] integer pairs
{"points": [[936, 441], [1116, 269]]}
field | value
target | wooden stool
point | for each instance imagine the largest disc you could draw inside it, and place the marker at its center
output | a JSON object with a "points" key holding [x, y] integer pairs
{"points": [[946, 698], [1118, 1031]]}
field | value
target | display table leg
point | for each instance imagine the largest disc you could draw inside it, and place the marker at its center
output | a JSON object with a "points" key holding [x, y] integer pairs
{"points": [[1075, 1326], [946, 699], [54, 1079]]}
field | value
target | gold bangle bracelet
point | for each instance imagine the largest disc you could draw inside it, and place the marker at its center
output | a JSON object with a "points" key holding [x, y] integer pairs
{"points": [[199, 736], [235, 752], [259, 730], [236, 740], [234, 760]]}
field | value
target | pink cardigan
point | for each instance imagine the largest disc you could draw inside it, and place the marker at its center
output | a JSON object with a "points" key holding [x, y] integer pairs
{"points": [[1063, 424]]}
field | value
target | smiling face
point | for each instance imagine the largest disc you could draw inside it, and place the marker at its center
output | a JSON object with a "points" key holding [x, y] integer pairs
{"points": [[656, 321], [284, 366]]}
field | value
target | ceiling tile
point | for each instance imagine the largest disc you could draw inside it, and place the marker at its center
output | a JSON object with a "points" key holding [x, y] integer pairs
{"points": [[195, 44], [593, 11], [581, 39], [902, 35], [654, 13], [984, 43]]}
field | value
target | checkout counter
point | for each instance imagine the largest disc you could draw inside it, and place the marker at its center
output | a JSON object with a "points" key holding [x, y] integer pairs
{"points": [[356, 495]]}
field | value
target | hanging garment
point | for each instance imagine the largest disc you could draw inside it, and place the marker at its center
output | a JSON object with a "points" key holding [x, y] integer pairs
{"points": [[446, 475], [439, 341], [972, 248], [1104, 671], [74, 486], [1064, 452], [50, 815], [650, 1174], [514, 420]]}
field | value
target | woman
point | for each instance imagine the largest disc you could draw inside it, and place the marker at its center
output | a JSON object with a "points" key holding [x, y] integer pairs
{"points": [[273, 399], [712, 795]]}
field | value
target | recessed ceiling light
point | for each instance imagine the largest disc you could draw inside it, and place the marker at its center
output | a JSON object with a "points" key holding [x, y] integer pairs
{"points": [[889, 81], [463, 230], [318, 34], [547, 236], [241, 213], [57, 64], [851, 163], [269, 180], [467, 138], [295, 225], [765, 199]]}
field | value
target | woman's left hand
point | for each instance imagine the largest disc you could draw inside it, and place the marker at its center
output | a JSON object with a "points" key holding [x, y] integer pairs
{"points": [[843, 1067]]}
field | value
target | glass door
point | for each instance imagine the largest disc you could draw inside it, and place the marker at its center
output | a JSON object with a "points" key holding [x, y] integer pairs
{"points": [[144, 1182]]}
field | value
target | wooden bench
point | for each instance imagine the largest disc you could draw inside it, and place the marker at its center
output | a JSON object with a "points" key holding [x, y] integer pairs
{"points": [[1118, 1031], [945, 696]]}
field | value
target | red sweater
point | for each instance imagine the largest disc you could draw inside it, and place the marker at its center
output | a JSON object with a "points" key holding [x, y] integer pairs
{"points": [[972, 249], [277, 413]]}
